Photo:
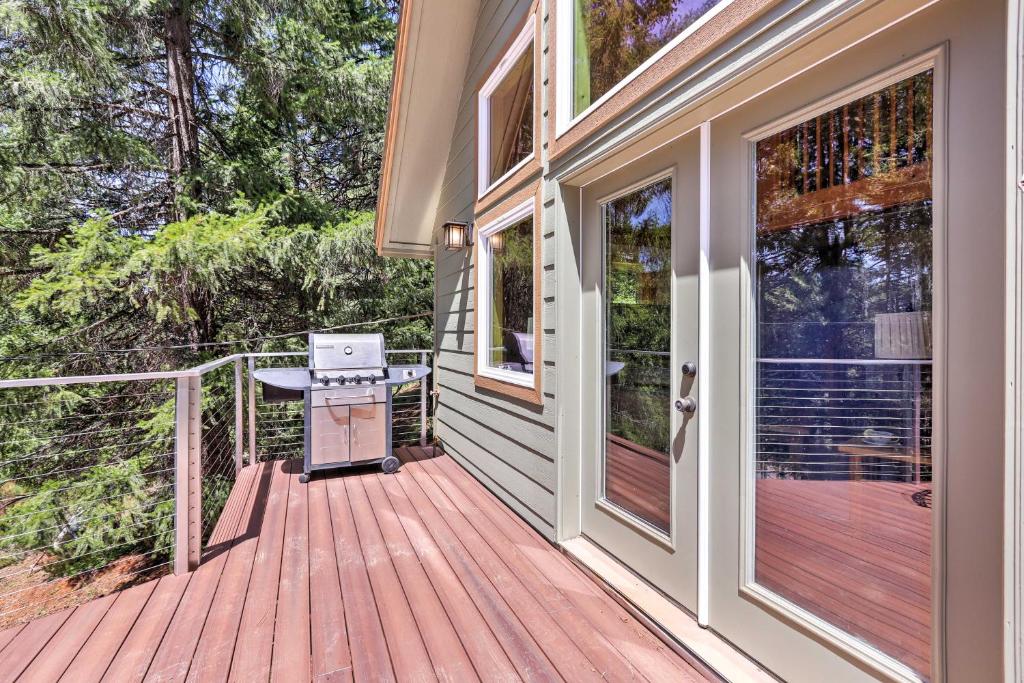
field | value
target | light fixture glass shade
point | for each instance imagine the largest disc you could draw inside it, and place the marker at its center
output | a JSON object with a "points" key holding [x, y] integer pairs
{"points": [[497, 242], [457, 235]]}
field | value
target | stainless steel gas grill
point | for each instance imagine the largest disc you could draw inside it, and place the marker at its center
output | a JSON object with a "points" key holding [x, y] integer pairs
{"points": [[347, 395]]}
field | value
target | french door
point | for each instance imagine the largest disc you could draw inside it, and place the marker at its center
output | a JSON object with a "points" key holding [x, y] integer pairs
{"points": [[853, 407], [640, 325], [856, 303]]}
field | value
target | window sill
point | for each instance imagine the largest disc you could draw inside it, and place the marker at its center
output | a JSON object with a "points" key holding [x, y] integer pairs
{"points": [[519, 174], [526, 393]]}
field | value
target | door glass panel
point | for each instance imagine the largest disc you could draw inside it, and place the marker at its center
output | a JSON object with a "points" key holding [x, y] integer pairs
{"points": [[638, 279], [844, 368]]}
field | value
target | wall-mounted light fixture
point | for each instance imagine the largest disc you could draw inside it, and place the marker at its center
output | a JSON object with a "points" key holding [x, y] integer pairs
{"points": [[457, 235]]}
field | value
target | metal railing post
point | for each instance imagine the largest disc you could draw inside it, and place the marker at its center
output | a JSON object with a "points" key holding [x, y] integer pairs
{"points": [[252, 410], [423, 403], [187, 474], [239, 422]]}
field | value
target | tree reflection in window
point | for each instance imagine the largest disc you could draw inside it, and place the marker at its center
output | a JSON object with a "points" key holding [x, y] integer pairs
{"points": [[511, 304], [614, 37], [638, 316], [843, 406], [511, 118]]}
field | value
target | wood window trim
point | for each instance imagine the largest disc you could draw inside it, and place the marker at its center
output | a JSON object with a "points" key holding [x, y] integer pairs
{"points": [[705, 38], [487, 196], [528, 394]]}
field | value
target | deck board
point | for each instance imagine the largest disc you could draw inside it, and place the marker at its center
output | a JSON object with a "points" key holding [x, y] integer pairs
{"points": [[255, 644], [329, 646], [29, 643], [518, 642], [103, 643], [178, 645], [638, 646], [551, 640], [356, 576], [212, 658], [68, 641]]}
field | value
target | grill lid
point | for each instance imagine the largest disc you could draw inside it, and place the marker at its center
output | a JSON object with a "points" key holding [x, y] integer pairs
{"points": [[346, 352]]}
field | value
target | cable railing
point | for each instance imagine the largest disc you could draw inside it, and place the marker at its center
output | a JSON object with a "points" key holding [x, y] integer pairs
{"points": [[109, 480], [86, 490]]}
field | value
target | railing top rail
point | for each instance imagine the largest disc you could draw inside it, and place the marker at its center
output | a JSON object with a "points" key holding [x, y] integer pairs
{"points": [[197, 371], [845, 361]]}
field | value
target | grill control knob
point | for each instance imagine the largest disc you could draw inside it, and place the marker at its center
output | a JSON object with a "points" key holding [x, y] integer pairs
{"points": [[341, 380], [359, 379], [373, 380], [325, 381]]}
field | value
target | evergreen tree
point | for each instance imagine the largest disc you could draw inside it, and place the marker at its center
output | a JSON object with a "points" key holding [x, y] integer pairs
{"points": [[174, 175]]}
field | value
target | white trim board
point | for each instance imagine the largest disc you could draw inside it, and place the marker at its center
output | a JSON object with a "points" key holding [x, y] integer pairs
{"points": [[716, 653], [1013, 530]]}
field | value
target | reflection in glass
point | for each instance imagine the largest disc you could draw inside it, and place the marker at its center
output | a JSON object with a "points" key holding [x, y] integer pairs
{"points": [[511, 117], [844, 372], [613, 37], [511, 298], [638, 279]]}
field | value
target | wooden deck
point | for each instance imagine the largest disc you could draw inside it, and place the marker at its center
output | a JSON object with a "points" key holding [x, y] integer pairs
{"points": [[421, 575], [856, 553]]}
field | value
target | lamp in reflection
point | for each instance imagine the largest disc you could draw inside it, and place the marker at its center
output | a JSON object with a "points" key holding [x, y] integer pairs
{"points": [[497, 242]]}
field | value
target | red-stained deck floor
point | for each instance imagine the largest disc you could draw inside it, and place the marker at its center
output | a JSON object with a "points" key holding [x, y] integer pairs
{"points": [[421, 575]]}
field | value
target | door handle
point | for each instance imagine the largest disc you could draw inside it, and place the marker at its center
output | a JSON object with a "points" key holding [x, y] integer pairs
{"points": [[689, 369], [687, 405]]}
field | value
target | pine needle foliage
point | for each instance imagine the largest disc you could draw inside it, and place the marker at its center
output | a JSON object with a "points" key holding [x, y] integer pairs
{"points": [[175, 176]]}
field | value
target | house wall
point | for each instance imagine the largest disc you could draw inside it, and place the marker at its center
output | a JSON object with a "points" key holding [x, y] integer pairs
{"points": [[506, 443]]}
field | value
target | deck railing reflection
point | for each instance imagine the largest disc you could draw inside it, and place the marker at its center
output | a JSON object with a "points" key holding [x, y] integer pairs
{"points": [[843, 419]]}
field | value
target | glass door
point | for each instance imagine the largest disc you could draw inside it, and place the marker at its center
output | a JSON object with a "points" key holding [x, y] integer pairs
{"points": [[843, 290], [640, 445], [835, 362]]}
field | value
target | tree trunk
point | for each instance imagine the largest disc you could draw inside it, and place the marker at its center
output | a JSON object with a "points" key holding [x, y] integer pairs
{"points": [[184, 132]]}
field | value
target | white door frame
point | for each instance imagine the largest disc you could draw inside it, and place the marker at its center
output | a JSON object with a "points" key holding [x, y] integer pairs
{"points": [[1013, 528]]}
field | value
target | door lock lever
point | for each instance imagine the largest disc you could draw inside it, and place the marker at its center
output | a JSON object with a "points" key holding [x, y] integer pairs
{"points": [[689, 369], [686, 405]]}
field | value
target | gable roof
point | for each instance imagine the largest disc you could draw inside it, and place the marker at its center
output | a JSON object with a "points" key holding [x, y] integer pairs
{"points": [[431, 55]]}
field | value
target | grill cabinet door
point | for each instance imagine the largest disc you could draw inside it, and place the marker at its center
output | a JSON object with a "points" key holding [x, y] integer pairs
{"points": [[369, 431], [329, 440]]}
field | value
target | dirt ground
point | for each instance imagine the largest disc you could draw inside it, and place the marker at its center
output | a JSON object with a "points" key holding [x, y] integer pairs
{"points": [[28, 592]]}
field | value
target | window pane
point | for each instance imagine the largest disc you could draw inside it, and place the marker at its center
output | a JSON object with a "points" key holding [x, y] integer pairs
{"points": [[511, 112], [614, 37], [844, 369], [638, 316], [511, 333]]}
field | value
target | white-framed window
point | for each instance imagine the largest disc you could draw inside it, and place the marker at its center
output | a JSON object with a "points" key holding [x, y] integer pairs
{"points": [[506, 125], [505, 296], [601, 46]]}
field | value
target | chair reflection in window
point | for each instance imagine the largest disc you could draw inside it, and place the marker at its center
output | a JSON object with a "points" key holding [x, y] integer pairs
{"points": [[518, 347]]}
